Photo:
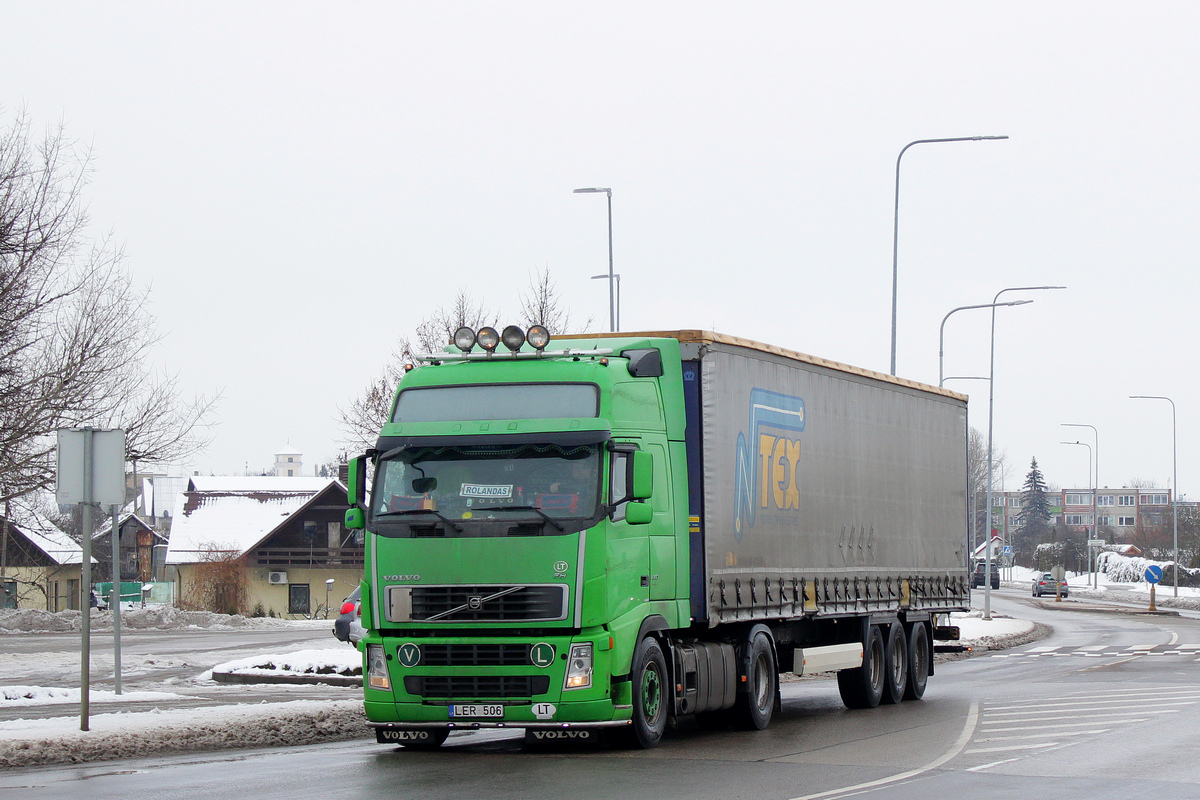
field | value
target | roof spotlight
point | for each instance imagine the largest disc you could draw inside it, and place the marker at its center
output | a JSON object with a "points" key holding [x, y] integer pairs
{"points": [[488, 338], [513, 337], [464, 339], [538, 337]]}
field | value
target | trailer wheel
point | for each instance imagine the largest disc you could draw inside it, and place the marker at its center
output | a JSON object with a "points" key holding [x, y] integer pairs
{"points": [[895, 667], [650, 695], [753, 710], [861, 687], [919, 659]]}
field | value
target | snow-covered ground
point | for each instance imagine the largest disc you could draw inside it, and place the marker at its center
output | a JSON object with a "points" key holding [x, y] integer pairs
{"points": [[161, 728]]}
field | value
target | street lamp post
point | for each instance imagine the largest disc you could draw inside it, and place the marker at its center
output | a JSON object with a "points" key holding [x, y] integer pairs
{"points": [[616, 275], [987, 579], [1174, 480], [612, 304], [942, 329], [1096, 491], [896, 222]]}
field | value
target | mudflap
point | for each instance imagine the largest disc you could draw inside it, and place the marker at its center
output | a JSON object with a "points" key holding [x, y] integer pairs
{"points": [[406, 736]]}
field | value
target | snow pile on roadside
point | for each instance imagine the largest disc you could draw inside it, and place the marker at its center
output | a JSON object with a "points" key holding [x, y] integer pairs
{"points": [[997, 633], [333, 661], [33, 620], [30, 743], [42, 695]]}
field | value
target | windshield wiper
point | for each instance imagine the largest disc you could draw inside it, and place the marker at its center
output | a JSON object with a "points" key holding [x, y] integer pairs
{"points": [[446, 520], [534, 509]]}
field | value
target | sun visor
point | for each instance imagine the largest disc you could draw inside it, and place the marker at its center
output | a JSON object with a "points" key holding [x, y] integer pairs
{"points": [[566, 438]]}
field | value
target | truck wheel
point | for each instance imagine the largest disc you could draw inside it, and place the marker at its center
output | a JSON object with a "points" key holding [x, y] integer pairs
{"points": [[895, 664], [752, 711], [650, 693], [919, 657], [861, 687]]}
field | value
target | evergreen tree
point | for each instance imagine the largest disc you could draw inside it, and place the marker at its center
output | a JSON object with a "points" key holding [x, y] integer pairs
{"points": [[1035, 509]]}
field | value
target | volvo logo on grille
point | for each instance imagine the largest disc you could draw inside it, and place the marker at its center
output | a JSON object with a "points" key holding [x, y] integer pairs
{"points": [[474, 602]]}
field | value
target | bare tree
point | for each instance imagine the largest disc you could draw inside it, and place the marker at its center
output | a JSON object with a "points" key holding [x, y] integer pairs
{"points": [[75, 333], [543, 305], [366, 414], [159, 427]]}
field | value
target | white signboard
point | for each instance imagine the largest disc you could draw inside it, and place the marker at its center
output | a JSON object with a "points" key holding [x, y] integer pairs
{"points": [[108, 467]]}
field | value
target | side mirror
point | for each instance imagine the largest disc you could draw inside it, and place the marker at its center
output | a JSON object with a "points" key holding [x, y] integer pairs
{"points": [[356, 493], [638, 513], [641, 480]]}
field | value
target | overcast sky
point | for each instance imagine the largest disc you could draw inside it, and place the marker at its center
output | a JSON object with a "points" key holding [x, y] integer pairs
{"points": [[301, 183]]}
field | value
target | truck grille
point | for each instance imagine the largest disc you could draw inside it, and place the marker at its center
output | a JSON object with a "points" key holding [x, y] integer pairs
{"points": [[477, 687], [489, 603], [475, 655]]}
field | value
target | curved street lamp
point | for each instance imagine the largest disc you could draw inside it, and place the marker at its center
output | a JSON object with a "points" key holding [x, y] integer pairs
{"points": [[896, 221], [1095, 519], [612, 305], [1175, 481], [942, 329], [987, 585], [1096, 486]]}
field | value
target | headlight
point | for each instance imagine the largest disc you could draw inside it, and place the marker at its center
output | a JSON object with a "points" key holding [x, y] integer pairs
{"points": [[579, 667], [377, 671]]}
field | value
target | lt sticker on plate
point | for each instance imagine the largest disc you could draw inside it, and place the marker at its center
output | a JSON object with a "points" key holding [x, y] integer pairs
{"points": [[544, 710]]}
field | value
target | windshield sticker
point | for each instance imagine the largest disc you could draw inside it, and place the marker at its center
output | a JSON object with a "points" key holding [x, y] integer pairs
{"points": [[484, 490]]}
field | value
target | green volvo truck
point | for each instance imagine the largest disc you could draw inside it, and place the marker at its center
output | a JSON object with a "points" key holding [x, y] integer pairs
{"points": [[613, 532]]}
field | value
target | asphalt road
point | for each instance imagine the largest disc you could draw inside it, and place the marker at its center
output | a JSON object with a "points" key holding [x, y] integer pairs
{"points": [[158, 661], [1104, 707]]}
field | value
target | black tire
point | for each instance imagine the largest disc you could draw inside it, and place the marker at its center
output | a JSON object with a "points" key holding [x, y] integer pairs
{"points": [[895, 664], [753, 709], [861, 687], [650, 696], [436, 741], [920, 656]]}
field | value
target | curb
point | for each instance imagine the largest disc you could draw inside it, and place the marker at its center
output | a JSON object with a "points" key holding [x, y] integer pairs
{"points": [[1095, 609], [333, 679]]}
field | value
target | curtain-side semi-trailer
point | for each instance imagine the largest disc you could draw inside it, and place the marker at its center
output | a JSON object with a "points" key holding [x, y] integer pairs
{"points": [[628, 529]]}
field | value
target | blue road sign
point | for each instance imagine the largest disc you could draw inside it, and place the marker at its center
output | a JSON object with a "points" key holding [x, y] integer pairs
{"points": [[1154, 573]]}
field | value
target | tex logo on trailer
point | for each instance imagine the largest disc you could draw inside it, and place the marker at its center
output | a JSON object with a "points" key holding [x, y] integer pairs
{"points": [[766, 476]]}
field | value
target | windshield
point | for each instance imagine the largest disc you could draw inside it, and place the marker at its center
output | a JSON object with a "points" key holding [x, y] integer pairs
{"points": [[541, 483]]}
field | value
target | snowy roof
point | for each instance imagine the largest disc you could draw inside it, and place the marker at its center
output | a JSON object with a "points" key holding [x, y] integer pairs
{"points": [[106, 528], [45, 535], [253, 483], [236, 520], [287, 450]]}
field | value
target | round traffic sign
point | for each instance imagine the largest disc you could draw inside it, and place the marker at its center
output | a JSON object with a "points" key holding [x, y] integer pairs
{"points": [[1154, 573]]}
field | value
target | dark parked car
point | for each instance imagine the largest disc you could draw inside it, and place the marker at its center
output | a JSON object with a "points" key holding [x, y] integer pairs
{"points": [[348, 626], [977, 575], [1044, 584]]}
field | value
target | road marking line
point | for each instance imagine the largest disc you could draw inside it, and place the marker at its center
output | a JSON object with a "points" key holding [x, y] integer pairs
{"points": [[1101, 721], [982, 767], [1040, 735], [963, 738], [1083, 706], [1011, 747]]}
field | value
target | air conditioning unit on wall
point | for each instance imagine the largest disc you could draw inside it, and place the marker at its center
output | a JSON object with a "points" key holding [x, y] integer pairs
{"points": [[277, 578]]}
